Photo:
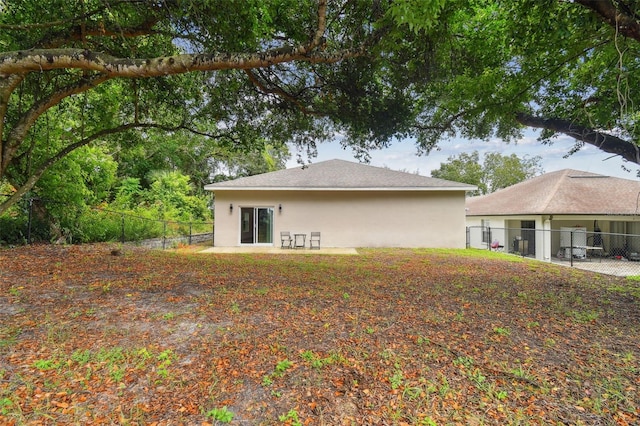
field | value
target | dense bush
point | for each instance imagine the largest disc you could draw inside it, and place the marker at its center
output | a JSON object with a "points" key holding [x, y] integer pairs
{"points": [[168, 208], [97, 225], [13, 229]]}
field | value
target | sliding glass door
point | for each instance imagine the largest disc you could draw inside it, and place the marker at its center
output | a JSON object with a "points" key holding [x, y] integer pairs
{"points": [[256, 225]]}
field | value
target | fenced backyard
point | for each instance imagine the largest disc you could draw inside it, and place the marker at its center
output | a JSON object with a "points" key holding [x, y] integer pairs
{"points": [[154, 233], [605, 252], [388, 337], [104, 225]]}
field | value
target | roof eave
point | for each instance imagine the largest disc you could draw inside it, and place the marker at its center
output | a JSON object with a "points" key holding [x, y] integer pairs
{"points": [[555, 214], [245, 188]]}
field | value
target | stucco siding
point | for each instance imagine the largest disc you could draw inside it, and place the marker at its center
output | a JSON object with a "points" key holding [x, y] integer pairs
{"points": [[352, 218]]}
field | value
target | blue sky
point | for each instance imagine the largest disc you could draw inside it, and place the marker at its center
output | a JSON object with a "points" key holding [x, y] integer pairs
{"points": [[401, 155]]}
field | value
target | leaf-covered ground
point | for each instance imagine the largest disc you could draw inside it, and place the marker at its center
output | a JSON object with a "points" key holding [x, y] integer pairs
{"points": [[386, 337]]}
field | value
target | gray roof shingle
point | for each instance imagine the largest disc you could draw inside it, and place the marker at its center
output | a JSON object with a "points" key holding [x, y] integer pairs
{"points": [[563, 192], [338, 175]]}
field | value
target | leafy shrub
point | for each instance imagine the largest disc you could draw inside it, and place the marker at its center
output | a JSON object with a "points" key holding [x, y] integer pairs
{"points": [[13, 229]]}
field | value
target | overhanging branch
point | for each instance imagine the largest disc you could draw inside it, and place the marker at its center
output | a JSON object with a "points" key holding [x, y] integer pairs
{"points": [[34, 177], [38, 60], [21, 128], [605, 142], [615, 17], [278, 91]]}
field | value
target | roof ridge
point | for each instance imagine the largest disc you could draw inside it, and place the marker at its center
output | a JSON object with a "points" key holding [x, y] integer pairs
{"points": [[561, 193], [551, 194], [338, 174]]}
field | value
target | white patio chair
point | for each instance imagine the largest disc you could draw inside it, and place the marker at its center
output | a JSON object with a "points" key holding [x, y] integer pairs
{"points": [[285, 239], [314, 241]]}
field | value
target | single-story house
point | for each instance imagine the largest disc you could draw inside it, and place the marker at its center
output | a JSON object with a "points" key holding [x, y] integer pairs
{"points": [[538, 216], [350, 204]]}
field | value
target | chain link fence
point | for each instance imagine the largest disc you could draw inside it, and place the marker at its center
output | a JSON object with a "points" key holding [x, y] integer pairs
{"points": [[608, 253], [154, 233], [103, 225]]}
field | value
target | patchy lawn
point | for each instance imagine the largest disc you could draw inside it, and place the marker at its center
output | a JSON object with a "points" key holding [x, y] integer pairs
{"points": [[387, 337]]}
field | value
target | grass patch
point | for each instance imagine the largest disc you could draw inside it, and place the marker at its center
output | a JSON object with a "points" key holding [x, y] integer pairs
{"points": [[397, 336]]}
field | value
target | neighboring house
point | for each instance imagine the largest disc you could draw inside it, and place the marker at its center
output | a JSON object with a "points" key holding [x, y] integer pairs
{"points": [[534, 216], [350, 204]]}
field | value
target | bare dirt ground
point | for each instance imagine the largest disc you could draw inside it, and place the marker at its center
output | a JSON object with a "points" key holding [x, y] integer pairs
{"points": [[386, 337]]}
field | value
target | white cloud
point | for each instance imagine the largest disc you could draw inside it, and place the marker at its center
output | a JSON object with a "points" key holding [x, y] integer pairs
{"points": [[401, 155]]}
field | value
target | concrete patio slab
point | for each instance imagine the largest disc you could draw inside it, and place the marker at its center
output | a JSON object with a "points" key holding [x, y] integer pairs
{"points": [[276, 250], [620, 268]]}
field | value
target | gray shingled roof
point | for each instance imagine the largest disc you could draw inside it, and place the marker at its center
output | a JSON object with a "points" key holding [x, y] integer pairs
{"points": [[338, 175], [563, 192]]}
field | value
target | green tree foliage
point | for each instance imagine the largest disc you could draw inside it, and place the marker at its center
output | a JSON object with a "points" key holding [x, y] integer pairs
{"points": [[82, 179], [171, 193], [565, 67], [129, 194], [171, 197], [465, 168], [495, 172], [502, 171], [225, 165], [73, 72]]}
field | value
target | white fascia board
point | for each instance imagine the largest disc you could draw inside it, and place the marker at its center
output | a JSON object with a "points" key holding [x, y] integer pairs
{"points": [[438, 188]]}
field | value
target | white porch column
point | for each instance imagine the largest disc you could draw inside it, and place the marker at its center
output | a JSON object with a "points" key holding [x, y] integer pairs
{"points": [[546, 238]]}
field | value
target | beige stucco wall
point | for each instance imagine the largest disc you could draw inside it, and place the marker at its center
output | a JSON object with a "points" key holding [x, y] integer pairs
{"points": [[352, 218]]}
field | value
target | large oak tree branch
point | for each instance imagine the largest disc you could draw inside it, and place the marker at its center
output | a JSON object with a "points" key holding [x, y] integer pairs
{"points": [[607, 143], [278, 91], [36, 175], [46, 56], [321, 27], [21, 128], [623, 20], [7, 86], [38, 60], [81, 33]]}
